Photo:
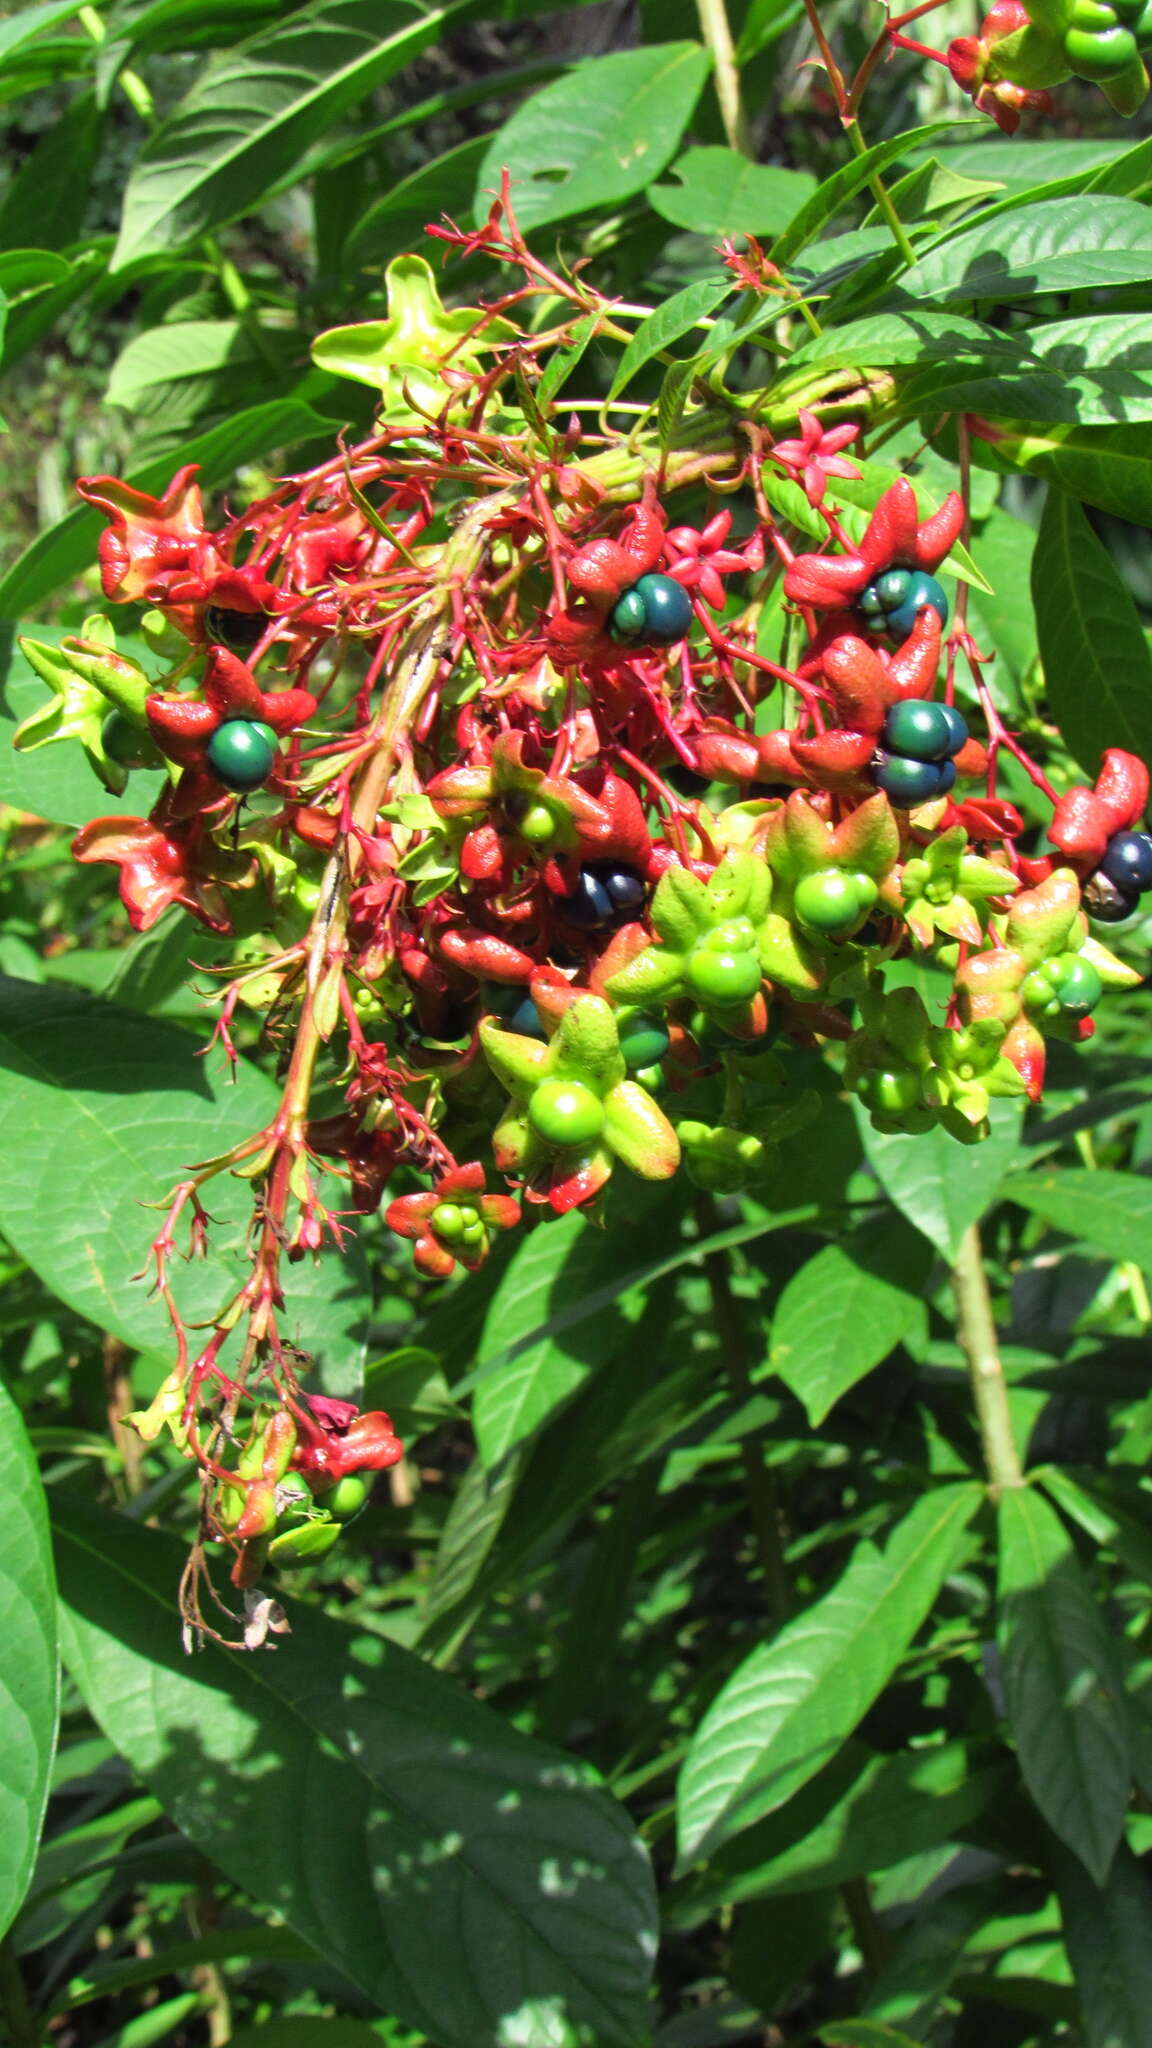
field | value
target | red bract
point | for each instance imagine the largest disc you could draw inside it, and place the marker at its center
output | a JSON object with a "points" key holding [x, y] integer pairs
{"points": [[161, 864], [150, 540], [816, 456], [895, 537], [436, 1254], [183, 726], [603, 569], [1085, 819], [329, 1448], [972, 62]]}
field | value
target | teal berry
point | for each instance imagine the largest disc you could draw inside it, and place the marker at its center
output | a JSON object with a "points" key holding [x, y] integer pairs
{"points": [[241, 753], [893, 587], [643, 1041], [628, 617], [923, 590], [958, 725], [907, 783], [657, 611], [921, 731]]}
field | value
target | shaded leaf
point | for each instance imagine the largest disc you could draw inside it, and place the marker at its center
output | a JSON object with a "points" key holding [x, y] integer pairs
{"points": [[1065, 1696], [112, 1108], [390, 1818], [597, 136], [939, 1185], [1097, 666], [845, 1310], [793, 1701], [29, 1679], [1108, 1931]]}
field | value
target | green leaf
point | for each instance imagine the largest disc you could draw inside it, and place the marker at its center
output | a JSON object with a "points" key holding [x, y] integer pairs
{"points": [[1064, 1693], [596, 137], [720, 192], [867, 1813], [397, 221], [833, 195], [182, 348], [29, 1673], [844, 1311], [1022, 165], [792, 1703], [391, 1819], [26, 270], [1054, 245], [253, 112], [254, 1942], [112, 1109], [938, 1185], [1106, 364], [1097, 666], [30, 22], [1108, 1933], [67, 548], [674, 317], [863, 2034], [52, 186], [763, 23], [1109, 467], [1112, 1211], [307, 2032]]}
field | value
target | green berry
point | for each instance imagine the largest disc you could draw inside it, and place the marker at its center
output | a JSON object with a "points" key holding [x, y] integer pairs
{"points": [[628, 617], [1099, 54], [893, 1090], [723, 979], [738, 935], [127, 744], [1079, 987], [448, 1221], [538, 825], [565, 1113], [829, 901], [346, 1498], [643, 1040]]}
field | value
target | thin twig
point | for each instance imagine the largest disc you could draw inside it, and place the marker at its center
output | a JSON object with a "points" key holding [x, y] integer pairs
{"points": [[976, 1329]]}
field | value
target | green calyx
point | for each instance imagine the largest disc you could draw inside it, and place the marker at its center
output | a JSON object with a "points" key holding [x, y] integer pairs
{"points": [[707, 939], [98, 698], [573, 1102]]}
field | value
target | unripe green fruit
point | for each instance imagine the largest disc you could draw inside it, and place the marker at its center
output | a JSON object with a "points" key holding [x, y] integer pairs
{"points": [[129, 745], [448, 1221], [346, 1498], [537, 826], [1099, 55], [738, 935], [1079, 987], [830, 900], [643, 1040], [565, 1113], [894, 1090], [724, 979]]}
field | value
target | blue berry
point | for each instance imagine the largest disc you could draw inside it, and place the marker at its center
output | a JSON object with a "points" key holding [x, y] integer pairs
{"points": [[625, 889], [1128, 860], [947, 773], [589, 904], [893, 587], [1106, 903], [959, 727], [668, 609], [908, 782], [922, 731], [922, 590], [525, 1019]]}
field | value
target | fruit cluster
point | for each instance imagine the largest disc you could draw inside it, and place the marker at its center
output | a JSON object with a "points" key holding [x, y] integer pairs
{"points": [[467, 755]]}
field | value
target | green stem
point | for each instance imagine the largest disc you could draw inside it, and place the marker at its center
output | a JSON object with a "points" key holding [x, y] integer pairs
{"points": [[976, 1328], [759, 1478], [880, 194], [714, 27], [19, 2027]]}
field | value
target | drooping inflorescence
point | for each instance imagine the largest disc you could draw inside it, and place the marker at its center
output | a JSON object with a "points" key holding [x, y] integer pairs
{"points": [[536, 852]]}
